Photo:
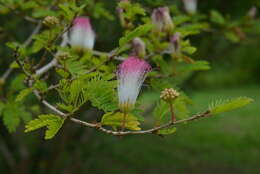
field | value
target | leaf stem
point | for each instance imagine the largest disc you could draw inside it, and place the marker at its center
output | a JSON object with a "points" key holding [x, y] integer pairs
{"points": [[124, 121]]}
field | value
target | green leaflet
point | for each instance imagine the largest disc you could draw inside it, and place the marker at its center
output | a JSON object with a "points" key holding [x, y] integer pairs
{"points": [[180, 106], [101, 93], [23, 94], [167, 131], [139, 31], [196, 66], [161, 110], [228, 105], [52, 122], [217, 18], [13, 112], [73, 94], [98, 90], [116, 119]]}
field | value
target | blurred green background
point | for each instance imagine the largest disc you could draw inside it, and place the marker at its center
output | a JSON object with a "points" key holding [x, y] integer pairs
{"points": [[226, 144]]}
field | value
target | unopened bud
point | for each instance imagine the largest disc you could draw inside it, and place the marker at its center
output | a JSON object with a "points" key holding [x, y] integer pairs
{"points": [[138, 47], [62, 55], [50, 21], [190, 6], [169, 94], [252, 12], [162, 20], [175, 45]]}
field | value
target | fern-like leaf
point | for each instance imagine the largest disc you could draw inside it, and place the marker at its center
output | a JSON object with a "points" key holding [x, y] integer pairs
{"points": [[23, 94], [52, 122], [116, 119], [101, 93], [228, 105]]}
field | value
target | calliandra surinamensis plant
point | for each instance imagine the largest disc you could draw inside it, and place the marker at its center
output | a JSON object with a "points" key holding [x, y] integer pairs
{"points": [[57, 75]]}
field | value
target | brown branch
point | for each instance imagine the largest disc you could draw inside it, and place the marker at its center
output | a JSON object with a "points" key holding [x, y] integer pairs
{"points": [[25, 44], [118, 133]]}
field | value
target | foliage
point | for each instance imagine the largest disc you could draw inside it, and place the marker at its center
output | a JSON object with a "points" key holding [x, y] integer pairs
{"points": [[116, 119], [53, 123], [227, 105], [84, 80]]}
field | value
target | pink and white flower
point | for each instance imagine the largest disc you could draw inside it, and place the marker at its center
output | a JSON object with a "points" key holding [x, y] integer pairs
{"points": [[190, 6], [131, 75], [81, 34]]}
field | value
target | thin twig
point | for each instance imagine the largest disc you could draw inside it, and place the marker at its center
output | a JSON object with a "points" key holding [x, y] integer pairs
{"points": [[25, 44], [118, 133]]}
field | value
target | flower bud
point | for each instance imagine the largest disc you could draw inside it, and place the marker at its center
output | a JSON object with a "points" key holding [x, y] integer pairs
{"points": [[162, 20], [50, 21], [81, 34], [190, 6], [62, 55], [252, 12], [175, 45], [169, 94], [138, 47]]}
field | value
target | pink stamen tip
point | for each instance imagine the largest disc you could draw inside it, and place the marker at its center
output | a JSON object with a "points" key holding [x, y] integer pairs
{"points": [[134, 64], [83, 22]]}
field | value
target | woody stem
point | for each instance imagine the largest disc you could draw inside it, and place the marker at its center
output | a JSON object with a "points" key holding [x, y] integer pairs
{"points": [[172, 112]]}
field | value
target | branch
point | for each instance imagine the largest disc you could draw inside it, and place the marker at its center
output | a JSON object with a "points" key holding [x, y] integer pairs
{"points": [[118, 133], [26, 43]]}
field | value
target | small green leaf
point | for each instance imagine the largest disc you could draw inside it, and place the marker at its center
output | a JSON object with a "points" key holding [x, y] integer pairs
{"points": [[217, 18], [189, 49], [52, 122], [11, 117], [139, 31], [167, 131], [14, 65], [161, 110], [230, 35], [101, 93], [229, 105], [116, 119], [23, 94], [41, 85]]}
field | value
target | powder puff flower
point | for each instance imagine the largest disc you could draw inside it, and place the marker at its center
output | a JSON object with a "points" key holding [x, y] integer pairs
{"points": [[190, 6], [81, 34], [131, 75], [162, 20]]}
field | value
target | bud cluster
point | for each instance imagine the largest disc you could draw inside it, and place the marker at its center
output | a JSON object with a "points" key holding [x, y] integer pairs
{"points": [[62, 55], [50, 21], [169, 94]]}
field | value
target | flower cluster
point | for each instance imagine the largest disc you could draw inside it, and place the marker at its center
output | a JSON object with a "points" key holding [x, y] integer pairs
{"points": [[169, 94], [131, 75]]}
